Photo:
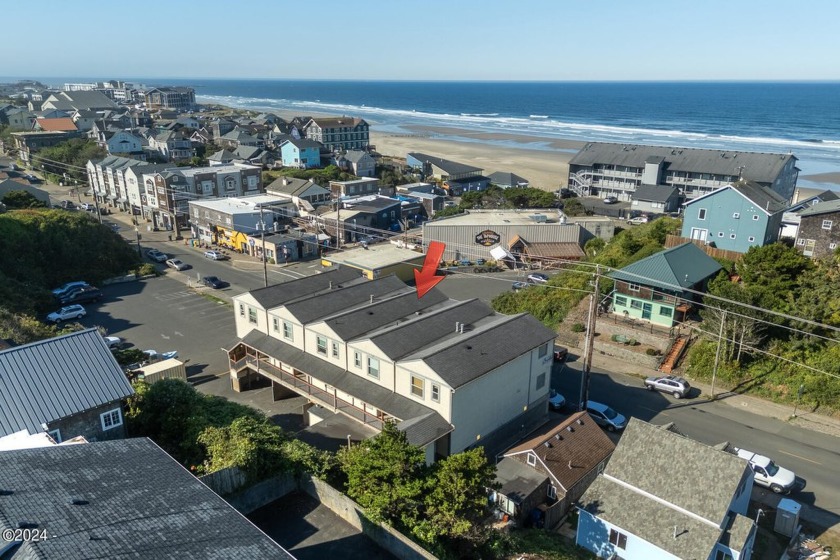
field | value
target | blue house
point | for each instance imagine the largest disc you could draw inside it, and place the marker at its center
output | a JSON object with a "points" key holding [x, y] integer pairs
{"points": [[302, 153], [647, 506], [735, 217]]}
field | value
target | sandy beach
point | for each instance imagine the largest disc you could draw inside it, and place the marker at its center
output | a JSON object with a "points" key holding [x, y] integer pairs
{"points": [[833, 177], [547, 170]]}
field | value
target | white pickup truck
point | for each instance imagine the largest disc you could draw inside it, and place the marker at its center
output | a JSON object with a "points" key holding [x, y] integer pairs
{"points": [[767, 473]]}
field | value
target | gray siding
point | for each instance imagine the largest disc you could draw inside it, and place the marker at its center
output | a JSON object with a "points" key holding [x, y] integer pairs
{"points": [[460, 239]]}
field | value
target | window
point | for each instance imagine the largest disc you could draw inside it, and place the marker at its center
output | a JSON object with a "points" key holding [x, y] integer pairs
{"points": [[736, 215], [541, 381], [252, 315], [335, 349], [720, 234], [751, 239], [731, 236], [826, 224], [666, 311], [722, 555], [275, 324], [635, 304], [701, 214], [357, 359], [56, 435], [111, 419], [552, 492], [620, 300], [832, 245], [435, 392], [532, 459], [288, 332], [633, 287], [241, 310], [618, 539], [800, 242], [373, 367], [321, 343], [755, 217], [417, 386], [543, 350]]}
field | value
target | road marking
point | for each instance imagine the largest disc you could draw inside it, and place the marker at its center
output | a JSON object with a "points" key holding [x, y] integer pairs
{"points": [[165, 336], [178, 334], [800, 457], [174, 295]]}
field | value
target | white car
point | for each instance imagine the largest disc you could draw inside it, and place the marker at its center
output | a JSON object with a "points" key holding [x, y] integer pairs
{"points": [[214, 255], [113, 342], [610, 200], [156, 255], [155, 356], [638, 220], [767, 473], [67, 313]]}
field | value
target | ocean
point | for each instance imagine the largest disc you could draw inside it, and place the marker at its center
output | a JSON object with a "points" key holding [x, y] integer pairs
{"points": [[802, 118]]}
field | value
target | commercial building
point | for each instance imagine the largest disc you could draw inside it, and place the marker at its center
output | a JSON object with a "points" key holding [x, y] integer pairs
{"points": [[180, 99], [229, 221], [605, 169], [378, 260]]}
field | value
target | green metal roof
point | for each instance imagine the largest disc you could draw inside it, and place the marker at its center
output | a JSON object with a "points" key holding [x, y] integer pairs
{"points": [[684, 266]]}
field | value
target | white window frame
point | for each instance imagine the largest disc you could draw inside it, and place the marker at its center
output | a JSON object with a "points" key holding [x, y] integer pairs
{"points": [[755, 217], [418, 390], [832, 246], [531, 459], [800, 241], [731, 236], [335, 349], [275, 324], [826, 224], [720, 234], [633, 287], [115, 418], [551, 491], [701, 214], [736, 215], [318, 348], [288, 331], [357, 359], [241, 310], [751, 239], [252, 315], [373, 367], [436, 392]]}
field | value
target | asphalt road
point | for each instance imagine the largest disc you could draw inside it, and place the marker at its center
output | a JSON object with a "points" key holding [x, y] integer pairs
{"points": [[813, 456]]}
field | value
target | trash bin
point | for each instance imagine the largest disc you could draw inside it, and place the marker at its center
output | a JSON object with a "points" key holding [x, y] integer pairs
{"points": [[787, 517]]}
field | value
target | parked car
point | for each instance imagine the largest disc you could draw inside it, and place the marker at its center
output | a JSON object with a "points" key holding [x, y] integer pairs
{"points": [[86, 294], [67, 313], [555, 400], [610, 200], [537, 278], [88, 207], [177, 264], [68, 287], [605, 416], [155, 356], [31, 178], [638, 220], [113, 342], [519, 286], [767, 473], [214, 282], [68, 205], [671, 384], [215, 255], [156, 255], [560, 353]]}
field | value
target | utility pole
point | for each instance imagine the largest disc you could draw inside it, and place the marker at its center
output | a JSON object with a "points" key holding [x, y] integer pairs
{"points": [[95, 199], [717, 353], [262, 237], [139, 250], [589, 341], [339, 229]]}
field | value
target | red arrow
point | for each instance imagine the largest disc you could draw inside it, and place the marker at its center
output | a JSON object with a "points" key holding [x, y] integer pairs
{"points": [[425, 279]]}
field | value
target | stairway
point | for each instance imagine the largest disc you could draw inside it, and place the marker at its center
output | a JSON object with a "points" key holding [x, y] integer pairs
{"points": [[674, 354]]}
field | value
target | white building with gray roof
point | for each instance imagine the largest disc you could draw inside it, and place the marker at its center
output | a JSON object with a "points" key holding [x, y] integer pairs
{"points": [[606, 169], [450, 374]]}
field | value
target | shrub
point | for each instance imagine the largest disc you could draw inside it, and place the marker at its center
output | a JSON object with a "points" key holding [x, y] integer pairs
{"points": [[652, 352], [578, 327], [146, 269]]}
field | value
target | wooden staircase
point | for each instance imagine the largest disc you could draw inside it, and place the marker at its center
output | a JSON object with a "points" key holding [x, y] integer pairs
{"points": [[674, 354]]}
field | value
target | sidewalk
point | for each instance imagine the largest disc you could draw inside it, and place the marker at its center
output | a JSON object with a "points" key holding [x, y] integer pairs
{"points": [[803, 419]]}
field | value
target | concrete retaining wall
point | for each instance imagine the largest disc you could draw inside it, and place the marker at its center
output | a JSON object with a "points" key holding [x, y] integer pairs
{"points": [[625, 355]]}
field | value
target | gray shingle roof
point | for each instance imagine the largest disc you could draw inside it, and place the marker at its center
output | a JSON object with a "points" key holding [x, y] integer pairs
{"points": [[139, 503], [316, 306], [301, 144], [292, 186], [450, 167], [684, 265], [468, 356], [822, 208], [51, 379], [655, 193], [769, 201], [355, 156], [764, 168], [643, 464], [421, 425], [279, 294], [502, 178]]}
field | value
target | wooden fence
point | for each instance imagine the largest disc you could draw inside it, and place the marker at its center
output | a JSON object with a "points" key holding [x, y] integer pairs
{"points": [[714, 252]]}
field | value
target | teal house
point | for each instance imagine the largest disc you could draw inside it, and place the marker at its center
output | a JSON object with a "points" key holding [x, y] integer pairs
{"points": [[303, 153], [735, 217], [655, 288]]}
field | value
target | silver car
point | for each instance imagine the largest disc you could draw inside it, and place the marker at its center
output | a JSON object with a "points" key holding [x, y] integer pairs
{"points": [[676, 386]]}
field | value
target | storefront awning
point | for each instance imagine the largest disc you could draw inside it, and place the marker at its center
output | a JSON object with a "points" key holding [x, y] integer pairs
{"points": [[122, 200], [110, 196]]}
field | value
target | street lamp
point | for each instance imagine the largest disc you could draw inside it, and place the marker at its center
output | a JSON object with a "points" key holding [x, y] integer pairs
{"points": [[139, 251]]}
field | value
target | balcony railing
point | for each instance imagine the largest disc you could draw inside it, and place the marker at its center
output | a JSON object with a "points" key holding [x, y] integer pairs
{"points": [[299, 383]]}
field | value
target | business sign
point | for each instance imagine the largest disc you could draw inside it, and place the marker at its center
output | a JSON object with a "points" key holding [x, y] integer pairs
{"points": [[487, 238]]}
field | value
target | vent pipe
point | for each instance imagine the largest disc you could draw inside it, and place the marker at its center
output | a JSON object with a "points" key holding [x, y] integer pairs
{"points": [[371, 298], [330, 285], [462, 328], [457, 325]]}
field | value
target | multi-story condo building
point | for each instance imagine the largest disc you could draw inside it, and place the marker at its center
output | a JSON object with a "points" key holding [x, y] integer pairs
{"points": [[451, 374], [177, 98], [604, 169], [339, 133]]}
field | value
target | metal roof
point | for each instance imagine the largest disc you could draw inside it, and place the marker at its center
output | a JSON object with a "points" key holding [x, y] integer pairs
{"points": [[655, 193], [51, 379], [135, 502], [684, 266], [764, 168]]}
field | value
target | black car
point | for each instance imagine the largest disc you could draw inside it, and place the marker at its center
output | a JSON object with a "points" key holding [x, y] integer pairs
{"points": [[86, 294], [214, 282]]}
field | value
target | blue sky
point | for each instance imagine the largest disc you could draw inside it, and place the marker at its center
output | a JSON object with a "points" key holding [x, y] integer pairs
{"points": [[425, 40]]}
